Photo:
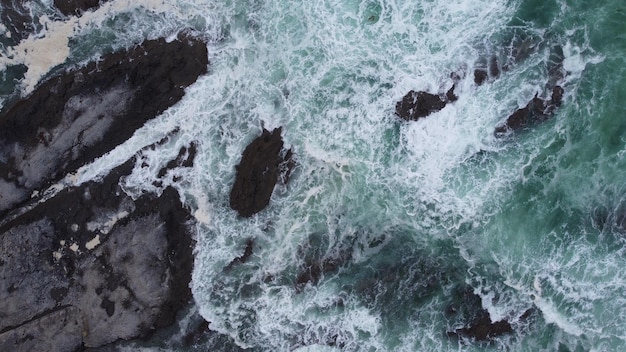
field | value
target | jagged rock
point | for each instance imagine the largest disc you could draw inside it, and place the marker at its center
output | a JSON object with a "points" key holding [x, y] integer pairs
{"points": [[74, 118], [483, 329], [91, 266], [536, 110], [491, 71], [76, 7], [480, 326], [415, 105], [450, 96], [480, 76], [258, 172], [247, 253]]}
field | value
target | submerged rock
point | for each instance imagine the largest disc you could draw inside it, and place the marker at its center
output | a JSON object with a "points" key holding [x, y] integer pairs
{"points": [[91, 266], [490, 72], [537, 110], [479, 326], [71, 119], [258, 172]]}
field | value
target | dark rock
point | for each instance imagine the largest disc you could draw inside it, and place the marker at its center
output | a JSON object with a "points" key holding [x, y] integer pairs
{"points": [[76, 7], [257, 173], [415, 105], [537, 110], [487, 71], [74, 118], [480, 76], [247, 253], [494, 70], [482, 329], [318, 262], [15, 15], [89, 270], [480, 326], [185, 158], [450, 96]]}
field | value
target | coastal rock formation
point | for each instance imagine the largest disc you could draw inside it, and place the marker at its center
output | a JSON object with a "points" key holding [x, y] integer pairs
{"points": [[91, 266], [479, 326], [76, 7], [537, 110], [415, 105], [261, 163], [491, 71], [78, 116]]}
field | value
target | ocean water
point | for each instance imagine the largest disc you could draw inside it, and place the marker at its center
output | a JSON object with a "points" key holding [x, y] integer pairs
{"points": [[416, 216]]}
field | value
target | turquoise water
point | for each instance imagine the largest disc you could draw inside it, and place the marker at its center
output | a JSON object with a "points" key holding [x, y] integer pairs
{"points": [[415, 215]]}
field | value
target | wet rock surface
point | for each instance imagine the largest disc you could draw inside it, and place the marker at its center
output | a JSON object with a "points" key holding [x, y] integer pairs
{"points": [[76, 7], [415, 105], [478, 324], [537, 110], [262, 162], [74, 118], [91, 266]]}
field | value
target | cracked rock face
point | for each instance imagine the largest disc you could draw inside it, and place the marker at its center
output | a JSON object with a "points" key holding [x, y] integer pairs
{"points": [[74, 118], [91, 266]]}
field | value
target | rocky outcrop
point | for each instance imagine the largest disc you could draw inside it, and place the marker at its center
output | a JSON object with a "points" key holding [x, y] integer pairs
{"points": [[74, 118], [76, 7], [91, 266], [415, 105], [479, 326], [537, 110], [262, 162]]}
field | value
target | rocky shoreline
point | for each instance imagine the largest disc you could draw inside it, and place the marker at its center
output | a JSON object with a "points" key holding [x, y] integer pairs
{"points": [[90, 265]]}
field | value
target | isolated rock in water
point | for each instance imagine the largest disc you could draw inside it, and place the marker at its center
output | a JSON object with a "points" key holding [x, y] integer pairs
{"points": [[415, 105], [535, 111], [91, 266], [76, 7], [258, 172], [480, 76], [72, 119]]}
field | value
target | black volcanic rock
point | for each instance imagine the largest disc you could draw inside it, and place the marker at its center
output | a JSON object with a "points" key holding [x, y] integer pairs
{"points": [[537, 110], [482, 329], [415, 105], [91, 266], [71, 119], [258, 172], [76, 7]]}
